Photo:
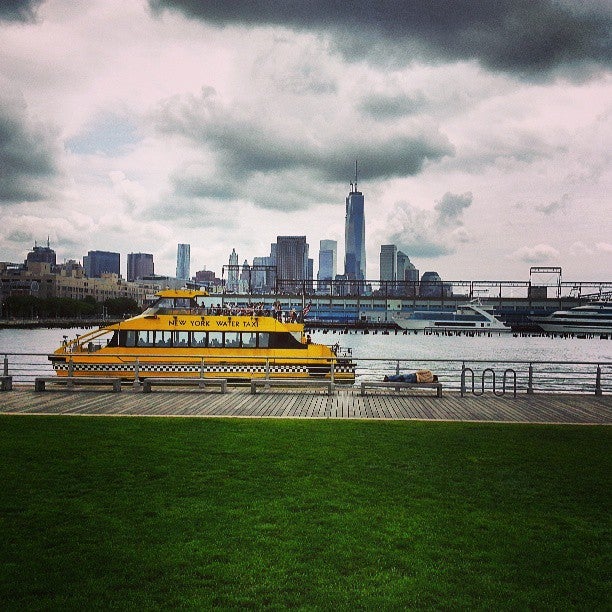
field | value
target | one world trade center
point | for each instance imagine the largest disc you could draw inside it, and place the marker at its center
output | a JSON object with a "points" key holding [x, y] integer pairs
{"points": [[354, 234]]}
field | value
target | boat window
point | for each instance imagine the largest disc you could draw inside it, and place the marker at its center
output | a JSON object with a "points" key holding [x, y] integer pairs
{"points": [[130, 338], [180, 339], [163, 339], [249, 340], [145, 338], [114, 341], [215, 339], [198, 339], [264, 340], [285, 340], [232, 340]]}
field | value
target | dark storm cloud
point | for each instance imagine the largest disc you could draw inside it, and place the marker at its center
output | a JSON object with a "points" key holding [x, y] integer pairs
{"points": [[19, 10], [392, 107], [26, 155], [529, 37], [253, 148]]}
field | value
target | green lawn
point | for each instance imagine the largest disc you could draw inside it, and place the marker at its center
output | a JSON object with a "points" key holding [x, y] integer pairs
{"points": [[200, 513]]}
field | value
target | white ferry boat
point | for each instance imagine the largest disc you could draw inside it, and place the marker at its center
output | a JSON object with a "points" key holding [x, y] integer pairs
{"points": [[470, 317], [593, 318]]}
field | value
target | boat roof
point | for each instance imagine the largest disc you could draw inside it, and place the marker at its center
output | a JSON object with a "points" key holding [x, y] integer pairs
{"points": [[181, 293]]}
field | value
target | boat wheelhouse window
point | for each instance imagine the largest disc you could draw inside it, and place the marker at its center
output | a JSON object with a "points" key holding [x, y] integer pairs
{"points": [[180, 339], [232, 340], [114, 341], [249, 340], [145, 338], [284, 340], [163, 339], [129, 338], [263, 340], [215, 339], [198, 339]]}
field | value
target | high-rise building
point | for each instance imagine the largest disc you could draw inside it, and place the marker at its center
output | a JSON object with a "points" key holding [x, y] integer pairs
{"points": [[245, 278], [328, 258], [233, 272], [291, 262], [407, 272], [97, 263], [139, 265], [183, 261], [41, 255], [431, 285], [354, 234], [388, 262], [403, 261]]}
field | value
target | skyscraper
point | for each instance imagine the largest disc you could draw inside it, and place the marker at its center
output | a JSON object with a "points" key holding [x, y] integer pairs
{"points": [[139, 265], [233, 272], [97, 263], [407, 272], [328, 257], [354, 234], [291, 262], [388, 262], [42, 255], [183, 261]]}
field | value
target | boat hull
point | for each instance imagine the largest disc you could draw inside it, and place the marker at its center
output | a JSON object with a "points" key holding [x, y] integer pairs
{"points": [[195, 367]]}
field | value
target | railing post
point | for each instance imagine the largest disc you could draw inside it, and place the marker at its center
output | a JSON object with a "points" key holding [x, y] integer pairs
{"points": [[70, 384], [5, 366], [331, 372], [267, 372], [598, 390], [136, 383], [397, 367], [202, 367], [530, 380], [463, 379]]}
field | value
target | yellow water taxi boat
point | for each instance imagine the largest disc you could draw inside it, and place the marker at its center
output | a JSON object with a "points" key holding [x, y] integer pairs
{"points": [[177, 336]]}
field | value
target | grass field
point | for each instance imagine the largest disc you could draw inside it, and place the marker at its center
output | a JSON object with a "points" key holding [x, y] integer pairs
{"points": [[201, 513]]}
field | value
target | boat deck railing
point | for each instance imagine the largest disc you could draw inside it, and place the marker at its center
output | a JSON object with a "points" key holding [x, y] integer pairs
{"points": [[462, 376]]}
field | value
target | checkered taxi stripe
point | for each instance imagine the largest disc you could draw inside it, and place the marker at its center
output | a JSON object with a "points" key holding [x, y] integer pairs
{"points": [[195, 368]]}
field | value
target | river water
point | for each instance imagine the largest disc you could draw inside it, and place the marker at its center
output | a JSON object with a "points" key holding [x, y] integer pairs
{"points": [[378, 353]]}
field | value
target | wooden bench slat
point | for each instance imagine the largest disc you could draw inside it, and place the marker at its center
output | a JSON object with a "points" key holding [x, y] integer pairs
{"points": [[401, 385], [70, 381], [178, 381], [291, 382]]}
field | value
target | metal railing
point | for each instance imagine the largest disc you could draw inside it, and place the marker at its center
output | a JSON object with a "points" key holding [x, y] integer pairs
{"points": [[498, 377]]}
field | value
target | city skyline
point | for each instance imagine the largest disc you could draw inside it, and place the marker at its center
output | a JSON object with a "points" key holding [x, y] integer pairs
{"points": [[483, 139]]}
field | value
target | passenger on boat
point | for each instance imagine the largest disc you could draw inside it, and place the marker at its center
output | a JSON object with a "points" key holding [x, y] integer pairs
{"points": [[420, 376]]}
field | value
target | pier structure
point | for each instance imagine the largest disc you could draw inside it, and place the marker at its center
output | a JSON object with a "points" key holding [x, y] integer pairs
{"points": [[346, 403]]}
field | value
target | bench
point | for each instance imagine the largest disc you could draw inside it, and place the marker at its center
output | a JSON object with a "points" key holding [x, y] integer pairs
{"points": [[291, 382], [402, 385], [200, 382], [6, 383], [70, 381]]}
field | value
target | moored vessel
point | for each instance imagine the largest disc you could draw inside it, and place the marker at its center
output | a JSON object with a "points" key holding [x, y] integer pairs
{"points": [[470, 317], [177, 336], [592, 318]]}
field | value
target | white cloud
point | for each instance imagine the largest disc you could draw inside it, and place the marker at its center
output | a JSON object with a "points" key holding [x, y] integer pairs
{"points": [[538, 254]]}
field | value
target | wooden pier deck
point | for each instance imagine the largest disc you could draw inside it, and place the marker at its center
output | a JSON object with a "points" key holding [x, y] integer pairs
{"points": [[346, 403]]}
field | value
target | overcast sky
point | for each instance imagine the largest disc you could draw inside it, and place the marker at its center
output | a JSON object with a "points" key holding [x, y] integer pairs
{"points": [[483, 130]]}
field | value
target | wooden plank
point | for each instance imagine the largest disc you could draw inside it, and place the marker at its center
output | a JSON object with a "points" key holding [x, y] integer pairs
{"points": [[346, 403]]}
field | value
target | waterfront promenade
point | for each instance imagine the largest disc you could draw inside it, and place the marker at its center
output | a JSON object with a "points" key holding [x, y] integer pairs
{"points": [[346, 403]]}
